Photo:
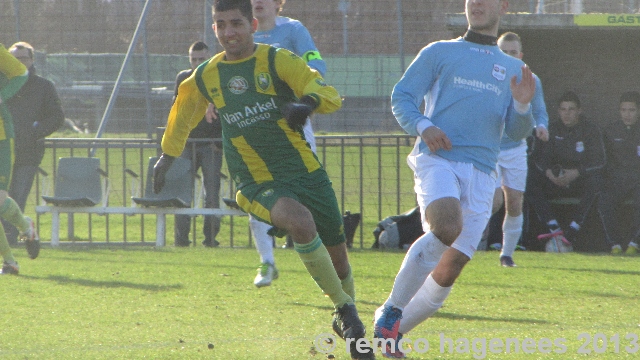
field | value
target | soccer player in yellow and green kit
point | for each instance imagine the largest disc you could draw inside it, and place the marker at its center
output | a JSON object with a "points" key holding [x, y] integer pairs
{"points": [[264, 95], [13, 74]]}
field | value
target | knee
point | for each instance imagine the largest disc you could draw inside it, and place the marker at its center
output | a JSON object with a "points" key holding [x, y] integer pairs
{"points": [[447, 232]]}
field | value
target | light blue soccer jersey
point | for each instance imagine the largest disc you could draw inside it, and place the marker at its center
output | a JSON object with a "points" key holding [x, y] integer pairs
{"points": [[293, 36], [540, 116], [466, 90]]}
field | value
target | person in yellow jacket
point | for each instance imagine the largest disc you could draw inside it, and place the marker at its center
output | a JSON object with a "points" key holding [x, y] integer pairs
{"points": [[13, 74], [263, 96]]}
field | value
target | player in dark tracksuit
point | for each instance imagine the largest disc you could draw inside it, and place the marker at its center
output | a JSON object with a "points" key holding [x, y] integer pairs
{"points": [[622, 142], [570, 164]]}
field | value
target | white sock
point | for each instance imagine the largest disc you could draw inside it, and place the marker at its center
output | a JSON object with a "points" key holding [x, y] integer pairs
{"points": [[264, 242], [425, 303], [421, 259], [511, 231]]}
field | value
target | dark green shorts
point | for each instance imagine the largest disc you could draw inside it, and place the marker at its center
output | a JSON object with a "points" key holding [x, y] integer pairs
{"points": [[313, 190], [6, 163]]}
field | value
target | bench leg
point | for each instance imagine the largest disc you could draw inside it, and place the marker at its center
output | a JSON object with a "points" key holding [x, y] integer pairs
{"points": [[161, 225], [55, 228]]}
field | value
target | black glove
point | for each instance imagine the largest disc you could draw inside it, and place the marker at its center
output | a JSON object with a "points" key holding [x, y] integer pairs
{"points": [[297, 113], [160, 170]]}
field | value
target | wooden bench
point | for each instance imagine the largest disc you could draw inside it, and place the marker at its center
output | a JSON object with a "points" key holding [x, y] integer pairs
{"points": [[160, 212]]}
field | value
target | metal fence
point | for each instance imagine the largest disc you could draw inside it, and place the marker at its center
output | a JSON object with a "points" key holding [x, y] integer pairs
{"points": [[369, 175], [84, 46]]}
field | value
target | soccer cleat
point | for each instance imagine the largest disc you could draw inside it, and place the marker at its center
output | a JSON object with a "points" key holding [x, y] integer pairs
{"points": [[266, 274], [8, 268], [507, 261], [632, 249], [387, 324], [395, 352], [347, 325], [31, 239], [616, 249]]}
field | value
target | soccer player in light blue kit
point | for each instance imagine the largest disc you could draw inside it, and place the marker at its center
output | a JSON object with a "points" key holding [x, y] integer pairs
{"points": [[472, 92], [512, 162], [283, 32]]}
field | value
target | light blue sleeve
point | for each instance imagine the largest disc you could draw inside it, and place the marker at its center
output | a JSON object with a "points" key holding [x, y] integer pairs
{"points": [[306, 49], [518, 126], [409, 93], [538, 106]]}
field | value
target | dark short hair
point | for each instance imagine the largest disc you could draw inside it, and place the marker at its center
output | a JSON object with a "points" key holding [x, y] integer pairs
{"points": [[198, 45], [631, 96], [569, 96], [243, 5]]}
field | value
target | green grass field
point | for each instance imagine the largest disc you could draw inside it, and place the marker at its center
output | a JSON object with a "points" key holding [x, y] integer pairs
{"points": [[171, 303]]}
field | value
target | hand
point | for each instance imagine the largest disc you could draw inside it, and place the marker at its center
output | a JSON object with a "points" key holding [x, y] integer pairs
{"points": [[160, 171], [568, 176], [435, 139], [542, 133], [297, 113], [211, 114], [524, 90]]}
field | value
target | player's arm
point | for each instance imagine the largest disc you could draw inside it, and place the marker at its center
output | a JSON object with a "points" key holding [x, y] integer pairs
{"points": [[408, 94], [305, 48], [187, 111], [306, 83], [519, 121], [539, 109]]}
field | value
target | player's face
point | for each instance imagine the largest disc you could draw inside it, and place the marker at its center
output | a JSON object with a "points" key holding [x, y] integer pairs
{"points": [[511, 48], [484, 15], [629, 113], [235, 33], [265, 9], [23, 56], [569, 113], [197, 57]]}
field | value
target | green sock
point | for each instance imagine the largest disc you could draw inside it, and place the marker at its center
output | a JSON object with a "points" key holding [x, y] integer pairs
{"points": [[348, 285], [10, 211], [5, 250], [318, 263]]}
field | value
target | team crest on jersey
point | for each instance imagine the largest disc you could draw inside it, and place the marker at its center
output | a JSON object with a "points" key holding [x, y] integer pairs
{"points": [[499, 72], [264, 81], [238, 85]]}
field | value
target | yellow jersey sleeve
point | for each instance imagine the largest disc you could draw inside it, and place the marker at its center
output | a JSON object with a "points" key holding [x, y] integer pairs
{"points": [[303, 80], [9, 65], [187, 111]]}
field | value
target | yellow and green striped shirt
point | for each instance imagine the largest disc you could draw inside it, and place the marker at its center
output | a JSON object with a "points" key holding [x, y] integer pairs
{"points": [[13, 74], [249, 94]]}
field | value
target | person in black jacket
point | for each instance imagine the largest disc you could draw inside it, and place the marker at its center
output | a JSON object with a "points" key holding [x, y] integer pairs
{"points": [[570, 164], [622, 141], [37, 113], [208, 158]]}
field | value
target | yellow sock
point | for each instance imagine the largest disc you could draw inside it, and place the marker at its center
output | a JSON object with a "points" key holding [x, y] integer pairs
{"points": [[348, 285], [5, 250], [10, 211], [316, 259]]}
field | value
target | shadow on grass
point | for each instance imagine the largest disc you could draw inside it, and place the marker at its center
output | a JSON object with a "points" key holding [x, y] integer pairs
{"points": [[589, 270], [452, 316], [106, 284]]}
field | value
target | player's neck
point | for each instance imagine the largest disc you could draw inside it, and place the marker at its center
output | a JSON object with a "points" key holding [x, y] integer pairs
{"points": [[481, 39], [266, 24]]}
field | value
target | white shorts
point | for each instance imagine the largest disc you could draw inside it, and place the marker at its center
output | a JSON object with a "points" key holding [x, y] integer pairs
{"points": [[436, 178], [308, 134], [512, 168]]}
